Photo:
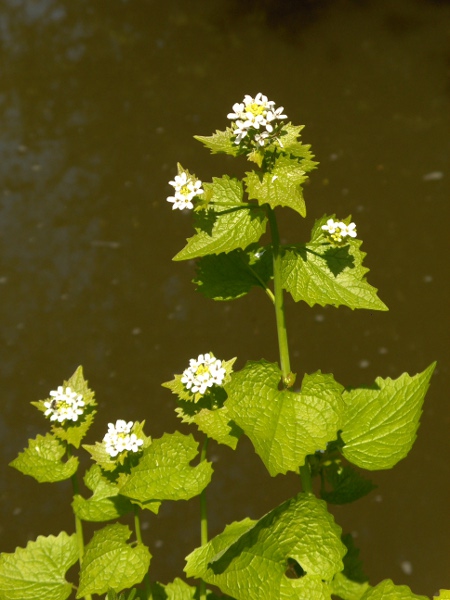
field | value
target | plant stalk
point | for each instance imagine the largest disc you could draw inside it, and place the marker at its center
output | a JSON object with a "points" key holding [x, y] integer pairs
{"points": [[78, 522], [305, 476], [287, 376], [203, 519], [137, 530]]}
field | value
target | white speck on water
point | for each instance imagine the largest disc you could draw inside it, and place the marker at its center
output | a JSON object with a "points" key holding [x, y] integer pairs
{"points": [[136, 331], [433, 176], [406, 567], [159, 543], [382, 350], [378, 498], [364, 363], [319, 318], [427, 278]]}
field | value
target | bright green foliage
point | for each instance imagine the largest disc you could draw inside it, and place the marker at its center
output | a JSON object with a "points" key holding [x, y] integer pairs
{"points": [[38, 571], [108, 463], [220, 142], [43, 460], [105, 503], [300, 529], [177, 590], [73, 432], [284, 426], [443, 595], [320, 273], [109, 562], [216, 424], [230, 276], [347, 484], [381, 422], [281, 186], [347, 589], [164, 472], [386, 590], [226, 213]]}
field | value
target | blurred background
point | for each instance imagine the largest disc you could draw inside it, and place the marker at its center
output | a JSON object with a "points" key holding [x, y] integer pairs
{"points": [[98, 102]]}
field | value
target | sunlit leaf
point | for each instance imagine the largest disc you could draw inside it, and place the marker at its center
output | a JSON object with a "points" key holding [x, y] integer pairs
{"points": [[165, 473], [299, 532], [386, 590], [381, 421], [105, 503], [320, 273], [227, 225], [109, 562], [38, 571], [42, 459], [220, 142]]}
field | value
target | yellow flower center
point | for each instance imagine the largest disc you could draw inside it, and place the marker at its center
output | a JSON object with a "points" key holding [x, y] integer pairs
{"points": [[256, 109]]}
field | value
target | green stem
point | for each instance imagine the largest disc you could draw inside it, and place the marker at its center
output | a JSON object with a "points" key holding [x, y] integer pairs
{"points": [[279, 302], [137, 530], [305, 476], [78, 522], [203, 519]]}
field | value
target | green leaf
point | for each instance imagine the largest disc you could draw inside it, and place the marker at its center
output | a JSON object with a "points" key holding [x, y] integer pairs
{"points": [[105, 503], [177, 590], [73, 432], [43, 460], [220, 142], [347, 484], [353, 566], [230, 276], [293, 147], [261, 554], [284, 426], [347, 589], [443, 595], [386, 590], [164, 472], [320, 273], [216, 424], [109, 562], [38, 571], [381, 422], [279, 187], [227, 224]]}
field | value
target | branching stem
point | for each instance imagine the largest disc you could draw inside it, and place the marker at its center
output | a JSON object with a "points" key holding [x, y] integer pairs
{"points": [[203, 518]]}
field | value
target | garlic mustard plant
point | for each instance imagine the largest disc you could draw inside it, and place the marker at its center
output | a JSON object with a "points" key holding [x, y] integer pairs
{"points": [[120, 439], [330, 435], [338, 231], [186, 189], [66, 405], [203, 373]]}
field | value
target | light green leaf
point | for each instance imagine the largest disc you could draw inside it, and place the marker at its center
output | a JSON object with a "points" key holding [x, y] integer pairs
{"points": [[292, 146], [105, 503], [177, 590], [220, 142], [109, 562], [347, 589], [381, 422], [284, 426], [43, 460], [228, 224], [320, 273], [279, 187], [443, 595], [73, 432], [386, 590], [299, 532], [165, 473], [216, 424], [230, 276], [38, 571]]}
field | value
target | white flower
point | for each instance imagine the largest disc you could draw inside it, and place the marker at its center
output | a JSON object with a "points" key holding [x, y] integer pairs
{"points": [[337, 230], [118, 439], [255, 114], [66, 405], [203, 373], [186, 188]]}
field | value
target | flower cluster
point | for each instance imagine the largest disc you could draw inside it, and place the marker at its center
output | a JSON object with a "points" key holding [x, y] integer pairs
{"points": [[186, 188], [337, 230], [203, 373], [66, 405], [118, 439], [256, 116]]}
